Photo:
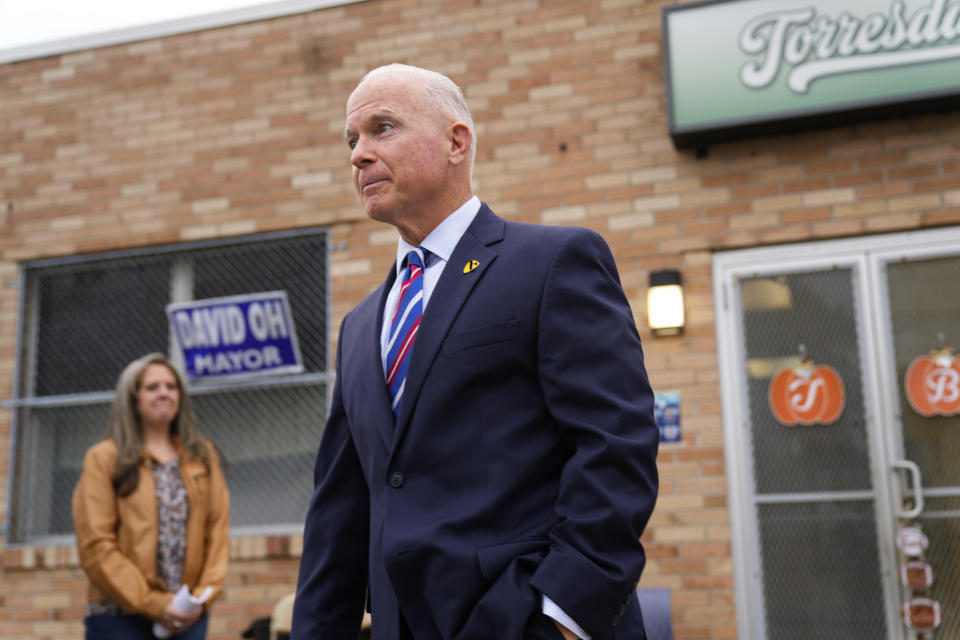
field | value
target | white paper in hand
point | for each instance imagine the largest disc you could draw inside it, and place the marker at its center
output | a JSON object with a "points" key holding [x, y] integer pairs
{"points": [[185, 602]]}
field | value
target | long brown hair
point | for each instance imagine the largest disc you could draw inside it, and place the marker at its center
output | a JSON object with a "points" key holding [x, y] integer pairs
{"points": [[126, 431]]}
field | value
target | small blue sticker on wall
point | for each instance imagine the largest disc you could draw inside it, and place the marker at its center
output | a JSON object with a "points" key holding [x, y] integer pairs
{"points": [[666, 409]]}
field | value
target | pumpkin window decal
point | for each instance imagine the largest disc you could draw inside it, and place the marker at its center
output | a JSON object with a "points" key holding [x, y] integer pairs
{"points": [[932, 383], [807, 394]]}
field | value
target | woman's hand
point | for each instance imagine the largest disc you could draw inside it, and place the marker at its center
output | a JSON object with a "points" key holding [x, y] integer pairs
{"points": [[176, 621]]}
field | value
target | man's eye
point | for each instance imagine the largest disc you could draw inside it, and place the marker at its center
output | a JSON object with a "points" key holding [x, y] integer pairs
{"points": [[384, 127], [352, 142]]}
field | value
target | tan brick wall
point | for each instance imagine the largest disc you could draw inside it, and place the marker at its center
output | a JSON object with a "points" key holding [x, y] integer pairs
{"points": [[43, 591], [237, 130]]}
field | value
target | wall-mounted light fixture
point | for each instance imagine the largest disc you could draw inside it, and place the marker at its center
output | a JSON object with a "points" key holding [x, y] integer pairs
{"points": [[665, 303]]}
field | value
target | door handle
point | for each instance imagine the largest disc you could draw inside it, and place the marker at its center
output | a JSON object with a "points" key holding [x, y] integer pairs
{"points": [[914, 470]]}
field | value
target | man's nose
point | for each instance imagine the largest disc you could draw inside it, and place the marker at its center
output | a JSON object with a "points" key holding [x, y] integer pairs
{"points": [[362, 153]]}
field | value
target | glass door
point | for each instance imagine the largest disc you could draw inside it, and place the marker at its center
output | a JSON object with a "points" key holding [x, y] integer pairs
{"points": [[807, 540]]}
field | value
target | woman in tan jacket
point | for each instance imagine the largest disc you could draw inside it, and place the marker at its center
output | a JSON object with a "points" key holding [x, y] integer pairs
{"points": [[151, 512]]}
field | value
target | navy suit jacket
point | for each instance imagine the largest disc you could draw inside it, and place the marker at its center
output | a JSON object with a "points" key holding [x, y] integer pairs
{"points": [[523, 461]]}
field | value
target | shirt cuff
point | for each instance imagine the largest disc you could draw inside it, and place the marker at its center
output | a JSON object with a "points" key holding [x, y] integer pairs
{"points": [[551, 609]]}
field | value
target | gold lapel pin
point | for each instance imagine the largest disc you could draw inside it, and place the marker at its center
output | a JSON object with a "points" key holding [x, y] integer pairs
{"points": [[470, 266]]}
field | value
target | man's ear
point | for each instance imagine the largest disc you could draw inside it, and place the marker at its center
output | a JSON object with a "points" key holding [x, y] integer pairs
{"points": [[461, 141]]}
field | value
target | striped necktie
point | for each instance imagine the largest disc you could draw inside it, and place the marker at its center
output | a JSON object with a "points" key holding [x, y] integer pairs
{"points": [[404, 325]]}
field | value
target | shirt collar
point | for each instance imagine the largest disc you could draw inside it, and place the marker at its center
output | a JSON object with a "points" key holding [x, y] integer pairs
{"points": [[444, 238]]}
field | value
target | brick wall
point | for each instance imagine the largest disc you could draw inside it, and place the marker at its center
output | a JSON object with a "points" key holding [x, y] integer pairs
{"points": [[237, 130]]}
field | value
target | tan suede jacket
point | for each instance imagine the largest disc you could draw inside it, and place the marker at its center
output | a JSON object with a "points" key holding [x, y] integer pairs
{"points": [[117, 537]]}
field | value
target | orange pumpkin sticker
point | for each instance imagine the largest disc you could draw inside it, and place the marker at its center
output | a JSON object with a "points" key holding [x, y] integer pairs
{"points": [[807, 395], [933, 383]]}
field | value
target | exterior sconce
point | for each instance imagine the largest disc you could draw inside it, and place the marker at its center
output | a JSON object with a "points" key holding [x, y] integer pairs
{"points": [[665, 303]]}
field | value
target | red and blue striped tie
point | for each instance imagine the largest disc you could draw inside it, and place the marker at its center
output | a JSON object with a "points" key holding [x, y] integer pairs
{"points": [[404, 325]]}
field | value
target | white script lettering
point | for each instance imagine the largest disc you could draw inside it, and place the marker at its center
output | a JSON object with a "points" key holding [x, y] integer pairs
{"points": [[817, 46]]}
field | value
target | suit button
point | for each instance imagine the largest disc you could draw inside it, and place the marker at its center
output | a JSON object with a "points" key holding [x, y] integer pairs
{"points": [[396, 479], [616, 620], [623, 610]]}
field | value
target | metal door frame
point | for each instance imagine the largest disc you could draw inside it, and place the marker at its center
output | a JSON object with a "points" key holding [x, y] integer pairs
{"points": [[943, 243], [866, 256]]}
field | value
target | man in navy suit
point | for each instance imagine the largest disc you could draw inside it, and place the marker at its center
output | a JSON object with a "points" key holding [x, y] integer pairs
{"points": [[503, 496]]}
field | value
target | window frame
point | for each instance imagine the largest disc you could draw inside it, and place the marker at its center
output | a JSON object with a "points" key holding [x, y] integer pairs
{"points": [[25, 362]]}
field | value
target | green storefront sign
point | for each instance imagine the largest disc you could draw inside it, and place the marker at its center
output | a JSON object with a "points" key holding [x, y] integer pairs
{"points": [[736, 68]]}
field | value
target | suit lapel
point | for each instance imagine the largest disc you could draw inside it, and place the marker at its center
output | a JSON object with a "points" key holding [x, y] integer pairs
{"points": [[451, 292]]}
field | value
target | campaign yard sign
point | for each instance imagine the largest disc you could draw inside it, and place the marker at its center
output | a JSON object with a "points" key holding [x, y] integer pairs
{"points": [[237, 336]]}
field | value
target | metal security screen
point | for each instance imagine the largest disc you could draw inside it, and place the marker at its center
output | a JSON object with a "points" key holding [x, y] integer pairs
{"points": [[920, 314], [83, 319], [820, 318], [813, 497]]}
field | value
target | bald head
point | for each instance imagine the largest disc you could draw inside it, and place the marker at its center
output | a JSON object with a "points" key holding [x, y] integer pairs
{"points": [[435, 93]]}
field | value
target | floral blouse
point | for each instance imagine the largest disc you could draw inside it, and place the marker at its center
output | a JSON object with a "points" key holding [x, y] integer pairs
{"points": [[172, 522]]}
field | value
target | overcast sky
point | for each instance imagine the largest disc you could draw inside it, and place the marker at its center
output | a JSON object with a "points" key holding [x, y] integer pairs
{"points": [[28, 27], [25, 22]]}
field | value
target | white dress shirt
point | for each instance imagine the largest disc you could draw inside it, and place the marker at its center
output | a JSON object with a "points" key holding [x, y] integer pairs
{"points": [[440, 243]]}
